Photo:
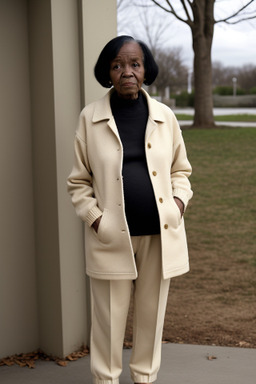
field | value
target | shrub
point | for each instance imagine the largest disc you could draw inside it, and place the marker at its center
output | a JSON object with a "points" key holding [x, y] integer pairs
{"points": [[252, 91], [184, 99], [227, 91]]}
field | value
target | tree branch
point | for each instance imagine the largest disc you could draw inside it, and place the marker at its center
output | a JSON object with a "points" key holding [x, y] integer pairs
{"points": [[186, 10], [170, 10], [154, 30], [161, 6], [226, 19], [240, 20]]}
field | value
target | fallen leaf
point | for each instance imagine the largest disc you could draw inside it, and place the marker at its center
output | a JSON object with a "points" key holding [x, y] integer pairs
{"points": [[29, 359], [71, 358], [244, 344], [31, 363], [62, 363], [8, 362], [211, 357], [20, 363]]}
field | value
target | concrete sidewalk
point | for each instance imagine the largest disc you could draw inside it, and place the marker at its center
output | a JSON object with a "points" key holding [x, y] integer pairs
{"points": [[181, 364], [223, 123]]}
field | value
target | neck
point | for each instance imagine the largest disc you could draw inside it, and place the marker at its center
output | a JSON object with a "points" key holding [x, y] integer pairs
{"points": [[132, 96]]}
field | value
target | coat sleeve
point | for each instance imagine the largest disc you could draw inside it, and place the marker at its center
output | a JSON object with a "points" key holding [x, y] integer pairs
{"points": [[80, 180], [180, 168]]}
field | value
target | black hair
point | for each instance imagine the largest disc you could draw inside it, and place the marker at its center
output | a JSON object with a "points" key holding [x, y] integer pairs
{"points": [[110, 51]]}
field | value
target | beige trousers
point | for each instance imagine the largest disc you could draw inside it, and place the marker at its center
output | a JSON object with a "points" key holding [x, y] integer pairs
{"points": [[110, 305]]}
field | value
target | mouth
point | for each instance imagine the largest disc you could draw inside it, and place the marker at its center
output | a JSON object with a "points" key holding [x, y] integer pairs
{"points": [[128, 84]]}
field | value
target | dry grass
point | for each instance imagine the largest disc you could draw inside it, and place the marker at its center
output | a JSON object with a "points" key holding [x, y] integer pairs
{"points": [[216, 302]]}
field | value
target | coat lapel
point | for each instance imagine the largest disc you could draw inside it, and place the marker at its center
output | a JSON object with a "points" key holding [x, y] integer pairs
{"points": [[155, 115], [103, 112], [151, 126]]}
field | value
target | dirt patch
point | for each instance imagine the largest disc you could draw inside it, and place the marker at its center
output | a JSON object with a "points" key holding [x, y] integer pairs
{"points": [[214, 304]]}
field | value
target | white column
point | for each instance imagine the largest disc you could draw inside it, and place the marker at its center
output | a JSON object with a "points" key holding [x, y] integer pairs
{"points": [[99, 25], [62, 61]]}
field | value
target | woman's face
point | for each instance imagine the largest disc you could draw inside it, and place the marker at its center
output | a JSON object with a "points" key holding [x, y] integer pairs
{"points": [[127, 70]]}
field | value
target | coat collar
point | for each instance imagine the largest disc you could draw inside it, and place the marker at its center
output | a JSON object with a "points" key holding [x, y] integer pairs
{"points": [[103, 111]]}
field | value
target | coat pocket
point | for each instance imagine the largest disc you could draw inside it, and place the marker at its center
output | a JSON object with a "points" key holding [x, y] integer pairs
{"points": [[175, 215], [104, 230]]}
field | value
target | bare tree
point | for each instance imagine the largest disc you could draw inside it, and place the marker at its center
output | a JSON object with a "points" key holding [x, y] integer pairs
{"points": [[199, 16], [124, 22], [172, 72], [246, 77], [152, 31], [220, 74], [141, 24], [145, 25]]}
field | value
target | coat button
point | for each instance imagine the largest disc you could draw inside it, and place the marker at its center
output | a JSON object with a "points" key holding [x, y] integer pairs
{"points": [[149, 145], [154, 173], [166, 226], [161, 200]]}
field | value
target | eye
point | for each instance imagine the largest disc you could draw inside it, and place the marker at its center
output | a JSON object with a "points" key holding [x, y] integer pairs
{"points": [[116, 66], [136, 64]]}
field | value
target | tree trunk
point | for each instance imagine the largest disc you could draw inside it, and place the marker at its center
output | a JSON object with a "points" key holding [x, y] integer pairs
{"points": [[202, 33]]}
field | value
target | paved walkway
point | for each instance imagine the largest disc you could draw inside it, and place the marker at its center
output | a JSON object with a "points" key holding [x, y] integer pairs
{"points": [[181, 364], [222, 112], [227, 123], [219, 111]]}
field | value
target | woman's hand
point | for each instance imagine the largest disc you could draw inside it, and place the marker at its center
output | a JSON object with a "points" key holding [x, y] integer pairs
{"points": [[96, 224], [180, 205]]}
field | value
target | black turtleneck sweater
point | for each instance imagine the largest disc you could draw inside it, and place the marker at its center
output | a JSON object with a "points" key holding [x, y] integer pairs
{"points": [[140, 206]]}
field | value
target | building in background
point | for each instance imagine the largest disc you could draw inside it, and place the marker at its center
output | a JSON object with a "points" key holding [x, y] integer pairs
{"points": [[48, 49]]}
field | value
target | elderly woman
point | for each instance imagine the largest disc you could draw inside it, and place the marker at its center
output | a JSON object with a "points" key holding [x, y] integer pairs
{"points": [[130, 186]]}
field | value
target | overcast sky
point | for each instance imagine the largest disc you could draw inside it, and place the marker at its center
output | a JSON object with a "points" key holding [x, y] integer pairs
{"points": [[233, 45]]}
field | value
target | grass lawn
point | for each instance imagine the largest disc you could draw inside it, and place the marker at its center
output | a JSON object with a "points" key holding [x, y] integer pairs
{"points": [[224, 184], [233, 118], [216, 302]]}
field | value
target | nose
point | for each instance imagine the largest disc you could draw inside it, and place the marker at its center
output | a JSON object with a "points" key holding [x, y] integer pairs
{"points": [[127, 72]]}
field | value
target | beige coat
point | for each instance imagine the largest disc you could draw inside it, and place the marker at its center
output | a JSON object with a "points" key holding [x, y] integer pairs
{"points": [[96, 187]]}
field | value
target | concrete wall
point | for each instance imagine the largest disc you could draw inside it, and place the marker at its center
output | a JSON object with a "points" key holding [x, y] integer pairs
{"points": [[234, 101], [48, 49], [18, 292]]}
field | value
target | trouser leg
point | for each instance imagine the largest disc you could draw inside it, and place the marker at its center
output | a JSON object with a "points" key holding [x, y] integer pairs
{"points": [[110, 304], [150, 298]]}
